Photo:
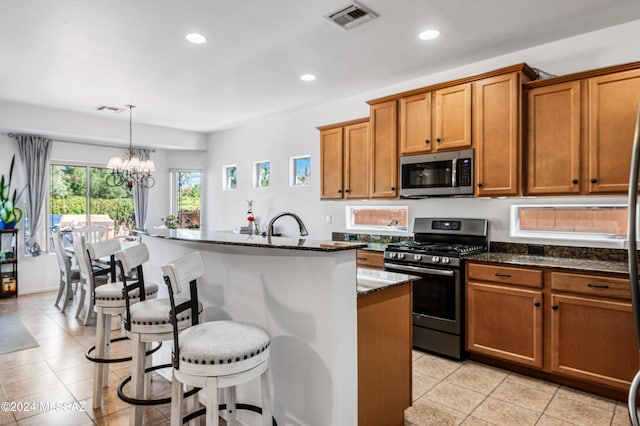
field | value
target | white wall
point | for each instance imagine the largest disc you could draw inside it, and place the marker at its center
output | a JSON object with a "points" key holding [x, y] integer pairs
{"points": [[280, 136]]}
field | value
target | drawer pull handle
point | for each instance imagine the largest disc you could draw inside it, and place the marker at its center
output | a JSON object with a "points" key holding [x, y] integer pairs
{"points": [[597, 285], [361, 258], [503, 275], [554, 307], [536, 303]]}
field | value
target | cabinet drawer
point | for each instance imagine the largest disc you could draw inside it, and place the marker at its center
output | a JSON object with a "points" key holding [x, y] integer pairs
{"points": [[372, 259], [591, 284], [505, 275]]}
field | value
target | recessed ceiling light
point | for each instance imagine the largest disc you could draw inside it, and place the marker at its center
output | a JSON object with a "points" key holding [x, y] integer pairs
{"points": [[429, 34], [307, 77], [196, 38]]}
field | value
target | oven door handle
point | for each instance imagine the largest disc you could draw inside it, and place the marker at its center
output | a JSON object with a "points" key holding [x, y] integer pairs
{"points": [[418, 269]]}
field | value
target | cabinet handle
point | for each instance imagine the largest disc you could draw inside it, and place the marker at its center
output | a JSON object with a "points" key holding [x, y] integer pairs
{"points": [[427, 141], [574, 181], [393, 188], [594, 180], [554, 307], [597, 285], [479, 184], [346, 190], [536, 303], [503, 275], [438, 140], [339, 191], [361, 258]]}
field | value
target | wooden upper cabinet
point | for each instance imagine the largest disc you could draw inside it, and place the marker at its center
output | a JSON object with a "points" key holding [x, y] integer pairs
{"points": [[497, 135], [553, 139], [384, 150], [612, 110], [331, 161], [415, 124], [452, 120], [356, 156]]}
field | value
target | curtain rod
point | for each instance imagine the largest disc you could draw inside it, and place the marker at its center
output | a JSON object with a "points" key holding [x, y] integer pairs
{"points": [[102, 144]]}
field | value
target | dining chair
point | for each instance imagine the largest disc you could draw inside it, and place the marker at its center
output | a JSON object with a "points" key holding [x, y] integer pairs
{"points": [[68, 274], [92, 234]]}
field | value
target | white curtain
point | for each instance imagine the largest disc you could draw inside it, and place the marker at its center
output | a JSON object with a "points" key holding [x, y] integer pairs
{"points": [[141, 195], [34, 155]]}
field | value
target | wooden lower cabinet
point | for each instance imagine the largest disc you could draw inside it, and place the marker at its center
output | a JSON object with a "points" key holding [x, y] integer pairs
{"points": [[505, 322], [593, 339], [384, 356], [370, 259], [576, 327]]}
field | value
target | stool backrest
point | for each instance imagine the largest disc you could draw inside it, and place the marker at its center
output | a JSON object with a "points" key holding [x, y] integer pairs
{"points": [[64, 263], [177, 274], [182, 271], [128, 259], [103, 248]]}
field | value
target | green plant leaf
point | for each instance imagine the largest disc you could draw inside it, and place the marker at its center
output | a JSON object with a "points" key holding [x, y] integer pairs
{"points": [[17, 213], [4, 214], [8, 206]]}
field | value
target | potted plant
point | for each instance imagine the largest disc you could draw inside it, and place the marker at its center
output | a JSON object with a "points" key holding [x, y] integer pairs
{"points": [[170, 221], [10, 215]]}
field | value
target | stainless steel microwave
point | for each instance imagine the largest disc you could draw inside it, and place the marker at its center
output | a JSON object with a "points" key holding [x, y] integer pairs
{"points": [[441, 174]]}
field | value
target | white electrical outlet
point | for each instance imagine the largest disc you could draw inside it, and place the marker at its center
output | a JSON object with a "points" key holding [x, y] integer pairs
{"points": [[328, 220]]}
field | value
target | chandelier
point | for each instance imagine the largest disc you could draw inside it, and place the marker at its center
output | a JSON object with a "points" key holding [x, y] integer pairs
{"points": [[131, 171]]}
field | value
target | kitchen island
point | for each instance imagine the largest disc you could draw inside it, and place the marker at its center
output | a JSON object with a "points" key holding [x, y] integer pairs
{"points": [[304, 293]]}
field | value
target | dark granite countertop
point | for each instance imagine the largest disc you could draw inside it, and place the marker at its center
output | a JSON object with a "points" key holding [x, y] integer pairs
{"points": [[375, 246], [574, 264], [371, 280], [229, 238]]}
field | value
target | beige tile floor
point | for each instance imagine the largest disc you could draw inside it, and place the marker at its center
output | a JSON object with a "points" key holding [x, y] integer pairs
{"points": [[445, 392]]}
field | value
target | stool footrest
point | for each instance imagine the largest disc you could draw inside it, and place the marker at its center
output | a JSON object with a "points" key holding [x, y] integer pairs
{"points": [[110, 360], [146, 402], [222, 407]]}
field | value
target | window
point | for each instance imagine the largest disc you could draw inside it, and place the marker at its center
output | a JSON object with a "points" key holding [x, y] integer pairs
{"points": [[229, 178], [261, 174], [604, 222], [300, 171], [187, 206], [378, 218], [79, 196]]}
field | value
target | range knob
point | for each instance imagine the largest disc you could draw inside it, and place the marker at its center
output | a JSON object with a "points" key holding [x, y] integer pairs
{"points": [[445, 260], [435, 259], [392, 255], [417, 256], [400, 255]]}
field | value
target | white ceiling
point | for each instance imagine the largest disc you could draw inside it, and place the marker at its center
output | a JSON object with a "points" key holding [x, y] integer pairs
{"points": [[79, 54]]}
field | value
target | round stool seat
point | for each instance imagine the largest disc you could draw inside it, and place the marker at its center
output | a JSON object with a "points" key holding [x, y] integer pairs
{"points": [[230, 344], [110, 294], [152, 316]]}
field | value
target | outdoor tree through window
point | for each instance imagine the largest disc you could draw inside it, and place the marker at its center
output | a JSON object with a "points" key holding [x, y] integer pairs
{"points": [[188, 197], [79, 197]]}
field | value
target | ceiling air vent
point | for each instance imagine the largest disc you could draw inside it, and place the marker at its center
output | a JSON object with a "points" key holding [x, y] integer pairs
{"points": [[352, 15], [106, 108]]}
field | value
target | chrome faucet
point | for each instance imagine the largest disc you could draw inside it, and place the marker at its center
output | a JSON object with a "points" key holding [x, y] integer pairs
{"points": [[303, 229]]}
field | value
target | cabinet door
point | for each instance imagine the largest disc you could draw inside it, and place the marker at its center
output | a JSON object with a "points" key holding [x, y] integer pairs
{"points": [[331, 164], [415, 124], [453, 117], [553, 139], [384, 150], [612, 110], [505, 322], [593, 339], [356, 152], [497, 135]]}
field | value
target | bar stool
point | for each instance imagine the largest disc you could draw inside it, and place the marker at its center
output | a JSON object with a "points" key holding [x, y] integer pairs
{"points": [[212, 355], [145, 322], [107, 300]]}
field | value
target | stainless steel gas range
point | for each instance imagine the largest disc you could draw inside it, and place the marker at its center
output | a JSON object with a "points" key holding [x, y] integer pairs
{"points": [[436, 255]]}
